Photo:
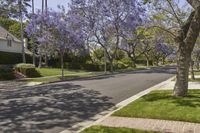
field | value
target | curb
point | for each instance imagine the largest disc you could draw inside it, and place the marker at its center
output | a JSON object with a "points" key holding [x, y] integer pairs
{"points": [[103, 115]]}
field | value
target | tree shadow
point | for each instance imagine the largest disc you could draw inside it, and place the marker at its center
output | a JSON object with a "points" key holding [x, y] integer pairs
{"points": [[192, 100], [48, 107]]}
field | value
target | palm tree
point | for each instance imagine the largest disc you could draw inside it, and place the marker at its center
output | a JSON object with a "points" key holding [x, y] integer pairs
{"points": [[21, 30], [33, 12], [46, 58], [40, 52]]}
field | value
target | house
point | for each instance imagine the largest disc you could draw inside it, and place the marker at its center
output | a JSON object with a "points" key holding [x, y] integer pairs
{"points": [[11, 49], [9, 43]]}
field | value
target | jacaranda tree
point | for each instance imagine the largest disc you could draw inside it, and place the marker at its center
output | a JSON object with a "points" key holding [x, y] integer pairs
{"points": [[108, 20], [62, 31]]}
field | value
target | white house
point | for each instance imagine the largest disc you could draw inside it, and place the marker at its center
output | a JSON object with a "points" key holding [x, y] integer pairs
{"points": [[9, 43]]}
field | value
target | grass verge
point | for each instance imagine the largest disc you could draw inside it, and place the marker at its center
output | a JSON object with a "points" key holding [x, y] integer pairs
{"points": [[162, 105], [102, 129]]}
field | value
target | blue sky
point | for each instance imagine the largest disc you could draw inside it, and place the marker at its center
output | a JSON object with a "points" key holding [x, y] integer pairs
{"points": [[52, 3]]}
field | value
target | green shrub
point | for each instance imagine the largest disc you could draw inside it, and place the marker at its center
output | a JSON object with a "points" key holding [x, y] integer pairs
{"points": [[6, 73], [13, 58], [28, 70]]}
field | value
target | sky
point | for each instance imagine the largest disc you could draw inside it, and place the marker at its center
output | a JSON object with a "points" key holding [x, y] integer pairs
{"points": [[52, 4]]}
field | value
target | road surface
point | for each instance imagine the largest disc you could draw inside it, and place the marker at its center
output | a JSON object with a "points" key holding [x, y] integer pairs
{"points": [[54, 107]]}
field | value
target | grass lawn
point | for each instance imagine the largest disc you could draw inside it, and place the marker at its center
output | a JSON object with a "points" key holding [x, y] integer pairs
{"points": [[55, 71], [196, 73], [101, 129], [162, 105], [50, 75], [58, 78], [196, 80]]}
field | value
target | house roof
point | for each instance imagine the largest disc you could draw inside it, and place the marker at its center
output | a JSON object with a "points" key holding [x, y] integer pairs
{"points": [[4, 33]]}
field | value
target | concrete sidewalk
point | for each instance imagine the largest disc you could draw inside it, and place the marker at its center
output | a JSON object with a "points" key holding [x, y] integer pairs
{"points": [[170, 85], [163, 126]]}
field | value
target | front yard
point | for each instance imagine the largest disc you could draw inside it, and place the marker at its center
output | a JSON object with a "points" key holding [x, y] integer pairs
{"points": [[56, 72], [49, 75], [162, 105]]}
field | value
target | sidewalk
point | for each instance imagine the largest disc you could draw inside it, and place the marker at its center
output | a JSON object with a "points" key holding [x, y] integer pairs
{"points": [[170, 85], [164, 126]]}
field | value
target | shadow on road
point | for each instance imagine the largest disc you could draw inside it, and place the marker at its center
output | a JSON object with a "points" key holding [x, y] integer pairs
{"points": [[41, 108]]}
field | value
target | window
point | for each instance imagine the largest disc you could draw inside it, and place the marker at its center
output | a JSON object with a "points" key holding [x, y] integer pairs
{"points": [[9, 40]]}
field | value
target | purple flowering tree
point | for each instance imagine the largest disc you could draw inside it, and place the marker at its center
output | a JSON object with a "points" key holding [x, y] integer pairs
{"points": [[107, 20], [136, 45], [163, 50], [62, 31]]}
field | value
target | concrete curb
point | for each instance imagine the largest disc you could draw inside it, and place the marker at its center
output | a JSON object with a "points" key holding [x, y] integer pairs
{"points": [[103, 115]]}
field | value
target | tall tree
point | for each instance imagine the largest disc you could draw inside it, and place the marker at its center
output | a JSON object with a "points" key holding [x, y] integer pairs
{"points": [[33, 12], [62, 32], [186, 40], [188, 31], [106, 20], [22, 4]]}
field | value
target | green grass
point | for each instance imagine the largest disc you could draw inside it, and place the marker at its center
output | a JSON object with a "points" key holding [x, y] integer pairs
{"points": [[162, 105], [102, 129], [50, 75], [51, 79], [55, 71], [196, 73], [196, 80]]}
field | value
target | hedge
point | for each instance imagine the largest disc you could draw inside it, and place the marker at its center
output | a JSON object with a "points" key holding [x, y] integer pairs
{"points": [[6, 73], [13, 58]]}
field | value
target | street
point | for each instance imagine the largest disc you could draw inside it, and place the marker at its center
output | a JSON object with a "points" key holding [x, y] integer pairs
{"points": [[54, 107]]}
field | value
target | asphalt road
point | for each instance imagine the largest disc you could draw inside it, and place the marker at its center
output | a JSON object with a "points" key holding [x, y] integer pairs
{"points": [[55, 107]]}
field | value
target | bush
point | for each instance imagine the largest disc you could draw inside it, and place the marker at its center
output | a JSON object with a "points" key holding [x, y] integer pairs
{"points": [[6, 73], [28, 70], [13, 58]]}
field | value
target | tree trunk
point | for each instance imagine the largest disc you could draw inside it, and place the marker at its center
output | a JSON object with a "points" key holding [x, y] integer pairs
{"points": [[33, 12], [111, 66], [163, 61], [197, 65], [46, 58], [147, 61], [183, 63], [40, 61], [62, 65], [186, 40], [133, 59], [46, 47], [133, 63], [192, 70], [22, 32], [105, 61], [34, 61]]}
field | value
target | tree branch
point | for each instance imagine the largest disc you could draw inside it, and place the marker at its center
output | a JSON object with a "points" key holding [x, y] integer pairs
{"points": [[163, 29]]}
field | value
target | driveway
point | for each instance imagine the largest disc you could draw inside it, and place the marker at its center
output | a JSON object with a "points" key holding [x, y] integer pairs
{"points": [[54, 107]]}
